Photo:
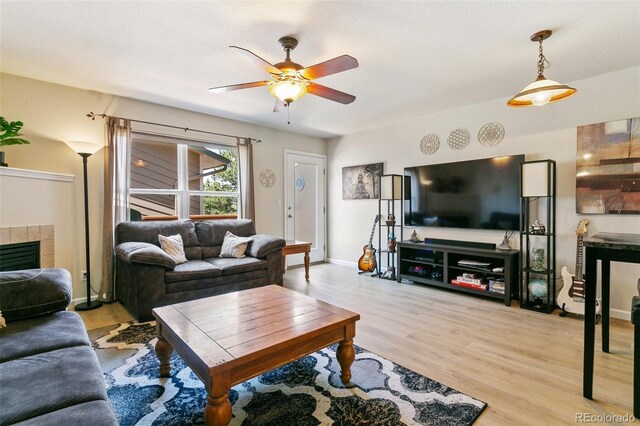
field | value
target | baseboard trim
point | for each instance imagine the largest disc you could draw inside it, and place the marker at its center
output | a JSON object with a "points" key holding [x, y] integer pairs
{"points": [[620, 314], [83, 299], [343, 262]]}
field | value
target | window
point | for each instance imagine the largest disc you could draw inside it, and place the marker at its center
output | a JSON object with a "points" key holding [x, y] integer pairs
{"points": [[180, 180]]}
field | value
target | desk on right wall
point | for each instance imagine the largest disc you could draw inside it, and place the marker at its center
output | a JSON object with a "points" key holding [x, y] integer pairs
{"points": [[605, 247]]}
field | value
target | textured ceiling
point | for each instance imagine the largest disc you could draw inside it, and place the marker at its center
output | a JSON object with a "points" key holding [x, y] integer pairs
{"points": [[415, 58]]}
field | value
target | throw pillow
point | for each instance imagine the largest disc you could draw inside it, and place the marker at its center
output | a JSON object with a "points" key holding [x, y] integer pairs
{"points": [[173, 246], [234, 246]]}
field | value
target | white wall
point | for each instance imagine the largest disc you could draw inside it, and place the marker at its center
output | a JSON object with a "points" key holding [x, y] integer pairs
{"points": [[21, 204], [539, 133], [53, 113]]}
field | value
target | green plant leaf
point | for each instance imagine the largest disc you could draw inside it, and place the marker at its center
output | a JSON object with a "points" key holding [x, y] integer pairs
{"points": [[9, 133], [14, 141]]}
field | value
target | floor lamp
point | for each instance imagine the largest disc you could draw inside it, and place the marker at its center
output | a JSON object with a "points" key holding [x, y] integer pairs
{"points": [[85, 150]]}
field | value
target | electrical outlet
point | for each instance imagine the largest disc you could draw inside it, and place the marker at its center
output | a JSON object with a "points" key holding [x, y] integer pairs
{"points": [[83, 274]]}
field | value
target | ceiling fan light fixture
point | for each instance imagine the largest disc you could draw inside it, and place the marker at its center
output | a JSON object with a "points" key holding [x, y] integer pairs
{"points": [[541, 91], [288, 90]]}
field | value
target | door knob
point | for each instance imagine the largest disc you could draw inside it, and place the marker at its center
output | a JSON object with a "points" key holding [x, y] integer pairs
{"points": [[290, 216]]}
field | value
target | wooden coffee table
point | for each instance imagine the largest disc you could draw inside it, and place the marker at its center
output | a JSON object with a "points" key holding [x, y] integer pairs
{"points": [[234, 337]]}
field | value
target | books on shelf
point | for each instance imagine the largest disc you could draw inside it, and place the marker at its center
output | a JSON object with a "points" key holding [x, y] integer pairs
{"points": [[497, 286], [481, 287], [470, 279]]}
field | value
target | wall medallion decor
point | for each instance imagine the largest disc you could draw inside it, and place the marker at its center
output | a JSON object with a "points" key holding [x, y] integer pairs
{"points": [[430, 144], [267, 178], [491, 134], [361, 182], [458, 139], [608, 168]]}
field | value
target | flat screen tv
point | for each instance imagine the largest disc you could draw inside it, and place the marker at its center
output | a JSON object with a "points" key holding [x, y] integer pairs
{"points": [[478, 194]]}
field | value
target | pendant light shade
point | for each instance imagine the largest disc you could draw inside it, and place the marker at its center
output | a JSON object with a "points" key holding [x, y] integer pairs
{"points": [[541, 91], [288, 90]]}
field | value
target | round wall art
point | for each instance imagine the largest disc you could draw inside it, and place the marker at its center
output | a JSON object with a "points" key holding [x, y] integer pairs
{"points": [[430, 144], [458, 139], [299, 183], [267, 178], [491, 134]]}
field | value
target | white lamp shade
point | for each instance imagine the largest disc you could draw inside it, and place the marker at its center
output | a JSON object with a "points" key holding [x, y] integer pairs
{"points": [[535, 177], [391, 187], [81, 147], [540, 93]]}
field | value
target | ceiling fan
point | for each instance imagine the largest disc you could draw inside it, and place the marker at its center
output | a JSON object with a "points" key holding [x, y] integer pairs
{"points": [[291, 81]]}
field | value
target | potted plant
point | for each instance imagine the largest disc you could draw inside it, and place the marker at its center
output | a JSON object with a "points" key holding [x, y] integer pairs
{"points": [[10, 135]]}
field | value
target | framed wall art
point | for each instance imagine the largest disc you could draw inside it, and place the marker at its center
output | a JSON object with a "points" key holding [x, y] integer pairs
{"points": [[608, 168], [361, 182]]}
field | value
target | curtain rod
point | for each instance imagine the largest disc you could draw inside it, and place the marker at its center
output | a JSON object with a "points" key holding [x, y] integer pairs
{"points": [[93, 116]]}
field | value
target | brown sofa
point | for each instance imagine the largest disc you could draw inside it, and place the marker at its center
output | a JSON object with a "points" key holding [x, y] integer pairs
{"points": [[146, 277]]}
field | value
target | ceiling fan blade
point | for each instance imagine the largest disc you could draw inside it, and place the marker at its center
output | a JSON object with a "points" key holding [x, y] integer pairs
{"points": [[268, 67], [332, 66], [222, 89], [329, 93], [279, 106]]}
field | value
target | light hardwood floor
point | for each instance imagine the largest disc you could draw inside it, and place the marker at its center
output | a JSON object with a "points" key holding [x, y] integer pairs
{"points": [[526, 365]]}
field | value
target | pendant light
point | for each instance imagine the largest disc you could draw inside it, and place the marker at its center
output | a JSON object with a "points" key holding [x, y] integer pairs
{"points": [[541, 91]]}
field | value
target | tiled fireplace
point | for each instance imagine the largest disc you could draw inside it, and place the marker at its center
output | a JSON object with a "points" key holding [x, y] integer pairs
{"points": [[31, 233]]}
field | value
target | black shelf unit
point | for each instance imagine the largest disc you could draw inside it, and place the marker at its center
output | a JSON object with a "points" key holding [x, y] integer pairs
{"points": [[437, 265], [391, 213], [538, 202]]}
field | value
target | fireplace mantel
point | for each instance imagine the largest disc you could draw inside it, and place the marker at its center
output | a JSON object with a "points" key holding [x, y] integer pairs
{"points": [[35, 174]]}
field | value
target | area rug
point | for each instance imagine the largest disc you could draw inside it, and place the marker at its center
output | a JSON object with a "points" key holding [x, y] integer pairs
{"points": [[305, 392]]}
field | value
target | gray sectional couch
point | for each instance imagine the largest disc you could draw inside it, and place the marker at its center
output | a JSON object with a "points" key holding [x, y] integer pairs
{"points": [[146, 277], [49, 374]]}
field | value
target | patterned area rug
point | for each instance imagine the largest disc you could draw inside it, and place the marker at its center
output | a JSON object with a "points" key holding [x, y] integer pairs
{"points": [[304, 392]]}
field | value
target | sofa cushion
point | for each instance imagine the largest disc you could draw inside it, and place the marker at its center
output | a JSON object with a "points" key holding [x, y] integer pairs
{"points": [[50, 381], [42, 334], [261, 245], [192, 270], [173, 246], [148, 231], [194, 289], [234, 246], [99, 412], [33, 292], [232, 266], [147, 253], [212, 232]]}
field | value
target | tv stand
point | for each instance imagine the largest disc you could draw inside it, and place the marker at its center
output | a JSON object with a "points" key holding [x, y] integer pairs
{"points": [[490, 273]]}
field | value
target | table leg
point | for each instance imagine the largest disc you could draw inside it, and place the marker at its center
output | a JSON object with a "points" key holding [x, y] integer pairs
{"points": [[306, 264], [589, 322], [218, 410], [606, 268], [163, 352], [284, 263], [346, 355]]}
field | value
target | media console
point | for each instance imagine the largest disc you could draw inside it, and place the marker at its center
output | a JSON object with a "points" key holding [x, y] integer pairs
{"points": [[462, 266]]}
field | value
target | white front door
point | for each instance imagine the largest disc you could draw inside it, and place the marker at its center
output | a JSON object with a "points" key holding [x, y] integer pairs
{"points": [[305, 203]]}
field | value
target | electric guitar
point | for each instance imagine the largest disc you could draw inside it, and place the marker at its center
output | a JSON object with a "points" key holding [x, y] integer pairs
{"points": [[571, 297], [367, 262]]}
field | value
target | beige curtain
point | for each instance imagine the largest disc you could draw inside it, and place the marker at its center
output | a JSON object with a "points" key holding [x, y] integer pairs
{"points": [[246, 202], [116, 196]]}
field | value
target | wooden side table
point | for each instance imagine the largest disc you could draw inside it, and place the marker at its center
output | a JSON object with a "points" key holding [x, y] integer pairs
{"points": [[295, 247]]}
